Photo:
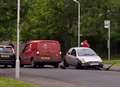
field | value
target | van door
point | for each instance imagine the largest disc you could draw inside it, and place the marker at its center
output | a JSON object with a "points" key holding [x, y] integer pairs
{"points": [[49, 49]]}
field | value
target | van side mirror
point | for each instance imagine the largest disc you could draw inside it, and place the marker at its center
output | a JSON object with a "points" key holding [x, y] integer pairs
{"points": [[23, 50]]}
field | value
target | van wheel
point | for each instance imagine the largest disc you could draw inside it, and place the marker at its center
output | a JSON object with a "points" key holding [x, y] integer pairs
{"points": [[56, 65], [41, 65], [33, 64], [21, 65]]}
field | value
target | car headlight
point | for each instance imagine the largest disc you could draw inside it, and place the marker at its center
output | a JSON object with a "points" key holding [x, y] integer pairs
{"points": [[82, 60]]}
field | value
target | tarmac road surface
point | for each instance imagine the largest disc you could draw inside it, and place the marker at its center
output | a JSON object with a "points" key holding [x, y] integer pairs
{"points": [[51, 77]]}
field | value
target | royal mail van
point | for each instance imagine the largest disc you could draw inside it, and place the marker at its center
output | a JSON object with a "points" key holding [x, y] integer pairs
{"points": [[40, 53]]}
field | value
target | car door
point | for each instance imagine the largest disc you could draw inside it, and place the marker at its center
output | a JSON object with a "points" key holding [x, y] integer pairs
{"points": [[68, 57], [73, 57]]}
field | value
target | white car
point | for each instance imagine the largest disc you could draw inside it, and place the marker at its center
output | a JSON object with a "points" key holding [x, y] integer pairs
{"points": [[82, 57]]}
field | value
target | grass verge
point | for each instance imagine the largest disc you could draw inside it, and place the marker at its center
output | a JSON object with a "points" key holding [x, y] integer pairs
{"points": [[116, 62], [7, 82]]}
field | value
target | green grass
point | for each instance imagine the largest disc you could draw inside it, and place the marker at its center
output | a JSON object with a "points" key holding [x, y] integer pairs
{"points": [[7, 82], [116, 62]]}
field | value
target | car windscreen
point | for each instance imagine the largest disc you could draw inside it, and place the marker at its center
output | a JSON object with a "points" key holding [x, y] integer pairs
{"points": [[6, 50], [86, 52]]}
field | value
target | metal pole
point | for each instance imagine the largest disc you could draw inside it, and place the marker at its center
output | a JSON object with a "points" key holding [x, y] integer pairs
{"points": [[109, 43], [78, 21], [17, 70], [107, 25], [78, 24]]}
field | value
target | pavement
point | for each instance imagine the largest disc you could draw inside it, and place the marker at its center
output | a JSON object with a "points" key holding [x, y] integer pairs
{"points": [[72, 77], [115, 68], [51, 77]]}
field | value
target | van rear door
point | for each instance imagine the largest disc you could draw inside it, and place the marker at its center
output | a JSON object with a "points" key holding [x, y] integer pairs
{"points": [[50, 49]]}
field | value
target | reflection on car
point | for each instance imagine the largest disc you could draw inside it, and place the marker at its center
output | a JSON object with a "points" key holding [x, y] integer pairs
{"points": [[82, 57], [7, 55]]}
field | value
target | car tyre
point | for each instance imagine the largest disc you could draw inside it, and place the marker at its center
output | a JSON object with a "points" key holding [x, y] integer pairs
{"points": [[21, 65], [78, 66], [13, 66], [65, 63], [5, 66], [61, 65]]}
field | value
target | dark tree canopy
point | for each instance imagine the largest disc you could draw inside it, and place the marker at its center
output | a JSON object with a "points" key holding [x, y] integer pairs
{"points": [[57, 19]]}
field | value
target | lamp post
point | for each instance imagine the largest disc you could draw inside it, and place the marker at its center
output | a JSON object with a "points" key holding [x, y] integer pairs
{"points": [[17, 70], [78, 21], [107, 25]]}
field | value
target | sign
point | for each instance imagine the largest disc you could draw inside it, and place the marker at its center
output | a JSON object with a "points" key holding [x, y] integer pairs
{"points": [[107, 24]]}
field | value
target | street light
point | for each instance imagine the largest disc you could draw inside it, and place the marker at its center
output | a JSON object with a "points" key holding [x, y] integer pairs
{"points": [[17, 70], [78, 21], [107, 25]]}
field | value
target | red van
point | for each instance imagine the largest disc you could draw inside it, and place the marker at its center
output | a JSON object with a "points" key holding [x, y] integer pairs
{"points": [[40, 53]]}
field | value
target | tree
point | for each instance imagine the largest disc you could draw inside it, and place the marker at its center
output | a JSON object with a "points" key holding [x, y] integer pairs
{"points": [[7, 19]]}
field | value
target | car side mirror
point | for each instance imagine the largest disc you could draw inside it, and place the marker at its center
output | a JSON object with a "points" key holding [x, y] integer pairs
{"points": [[23, 50]]}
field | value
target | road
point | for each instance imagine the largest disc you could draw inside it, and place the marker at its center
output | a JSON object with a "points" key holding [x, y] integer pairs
{"points": [[50, 77]]}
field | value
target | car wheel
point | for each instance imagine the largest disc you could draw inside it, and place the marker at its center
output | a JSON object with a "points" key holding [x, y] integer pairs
{"points": [[78, 66], [13, 66], [21, 65], [5, 66], [61, 65], [65, 63]]}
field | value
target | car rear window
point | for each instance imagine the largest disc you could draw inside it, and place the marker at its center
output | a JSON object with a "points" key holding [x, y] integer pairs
{"points": [[6, 50]]}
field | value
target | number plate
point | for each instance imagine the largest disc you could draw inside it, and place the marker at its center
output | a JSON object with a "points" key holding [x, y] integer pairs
{"points": [[4, 55], [45, 58], [94, 63]]}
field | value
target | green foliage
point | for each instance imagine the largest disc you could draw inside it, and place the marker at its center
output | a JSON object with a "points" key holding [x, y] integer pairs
{"points": [[7, 19], [57, 19], [116, 2]]}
